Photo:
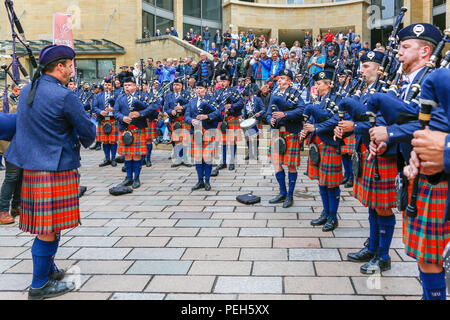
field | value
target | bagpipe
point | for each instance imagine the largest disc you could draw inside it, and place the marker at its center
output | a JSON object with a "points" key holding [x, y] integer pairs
{"points": [[219, 102], [180, 100], [127, 135]]}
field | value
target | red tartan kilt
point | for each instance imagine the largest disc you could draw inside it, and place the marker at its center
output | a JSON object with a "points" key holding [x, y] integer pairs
{"points": [[205, 149], [150, 130], [330, 173], [50, 201], [349, 146], [180, 135], [111, 138], [312, 169], [292, 155], [426, 235], [234, 131], [138, 147], [381, 194]]}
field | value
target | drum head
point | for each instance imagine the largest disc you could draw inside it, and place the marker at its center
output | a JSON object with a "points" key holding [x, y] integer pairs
{"points": [[248, 123]]}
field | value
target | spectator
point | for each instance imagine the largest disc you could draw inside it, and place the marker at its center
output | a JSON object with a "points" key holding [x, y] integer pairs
{"points": [[297, 50], [206, 35], [351, 36], [158, 33], [318, 41], [307, 46], [308, 37], [227, 39], [173, 32], [187, 37], [204, 68], [213, 50], [167, 32], [329, 37], [194, 39], [191, 32], [356, 45], [283, 49], [366, 46], [218, 40]]}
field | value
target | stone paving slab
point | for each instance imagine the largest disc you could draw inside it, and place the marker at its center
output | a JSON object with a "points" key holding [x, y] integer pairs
{"points": [[160, 267], [182, 284], [248, 285]]}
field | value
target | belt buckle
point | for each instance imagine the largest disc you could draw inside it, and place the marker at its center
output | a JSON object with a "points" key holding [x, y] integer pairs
{"points": [[282, 129], [107, 118]]}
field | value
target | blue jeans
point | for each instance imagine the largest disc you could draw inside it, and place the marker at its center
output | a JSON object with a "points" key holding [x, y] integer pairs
{"points": [[206, 45], [11, 187]]}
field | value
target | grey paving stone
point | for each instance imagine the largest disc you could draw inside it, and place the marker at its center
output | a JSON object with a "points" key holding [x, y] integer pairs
{"points": [[263, 254], [9, 231], [182, 284], [351, 232], [318, 285], [344, 297], [62, 253], [230, 223], [282, 268], [101, 253], [142, 242], [133, 231], [198, 223], [193, 242], [160, 267], [220, 268], [218, 232], [248, 285], [124, 222], [14, 241], [376, 285], [155, 254], [158, 223], [15, 282], [114, 283], [137, 296], [26, 266], [211, 254], [191, 215], [103, 267], [261, 232], [314, 254], [174, 232], [183, 296], [253, 242], [110, 215], [92, 242], [6, 264], [91, 231]]}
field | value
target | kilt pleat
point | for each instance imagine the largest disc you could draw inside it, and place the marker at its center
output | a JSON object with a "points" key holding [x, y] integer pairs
{"points": [[377, 194], [111, 138], [292, 155], [330, 172], [312, 169], [203, 146], [150, 131], [349, 146], [138, 147], [50, 201], [426, 235], [180, 134], [234, 132]]}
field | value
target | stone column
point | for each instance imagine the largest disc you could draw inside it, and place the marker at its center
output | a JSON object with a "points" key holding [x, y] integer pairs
{"points": [[274, 33], [178, 16]]}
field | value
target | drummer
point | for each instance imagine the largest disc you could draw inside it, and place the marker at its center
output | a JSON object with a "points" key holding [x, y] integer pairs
{"points": [[253, 123]]}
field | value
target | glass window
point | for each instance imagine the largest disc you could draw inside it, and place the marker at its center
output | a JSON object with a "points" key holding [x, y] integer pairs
{"points": [[94, 68], [162, 24], [152, 2], [211, 9], [165, 4], [187, 27], [439, 21], [103, 67], [148, 25], [438, 2], [192, 8]]}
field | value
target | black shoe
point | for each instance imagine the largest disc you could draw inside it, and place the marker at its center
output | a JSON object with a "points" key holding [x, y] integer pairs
{"points": [[278, 199], [231, 167], [124, 169], [349, 184], [376, 264], [320, 221], [344, 181], [247, 157], [82, 190], [170, 157], [330, 225], [363, 255], [215, 172], [98, 147], [105, 163], [305, 173], [126, 183], [148, 162], [288, 202], [207, 186], [176, 164], [136, 183], [120, 159], [93, 147], [221, 166], [58, 274], [199, 185], [186, 164], [113, 163], [52, 289]]}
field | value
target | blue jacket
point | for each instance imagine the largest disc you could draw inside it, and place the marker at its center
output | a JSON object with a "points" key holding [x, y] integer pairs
{"points": [[258, 106], [98, 104], [7, 125], [293, 121], [237, 104], [170, 102], [122, 110], [48, 133], [192, 111]]}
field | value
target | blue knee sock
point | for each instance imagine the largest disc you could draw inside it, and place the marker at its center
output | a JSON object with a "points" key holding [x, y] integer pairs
{"points": [[181, 151], [129, 166], [184, 153], [42, 253], [149, 150], [107, 151], [326, 205], [281, 181], [137, 165], [350, 168], [207, 168], [113, 151], [224, 154], [199, 169], [233, 150], [433, 285], [387, 225], [292, 177], [374, 231], [346, 161], [54, 268], [333, 199]]}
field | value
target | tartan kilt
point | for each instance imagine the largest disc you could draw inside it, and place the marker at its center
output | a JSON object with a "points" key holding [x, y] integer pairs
{"points": [[381, 194], [330, 172], [111, 138], [349, 146], [292, 155], [50, 201], [180, 135], [312, 169], [233, 133], [138, 147], [204, 150], [426, 235], [150, 131]]}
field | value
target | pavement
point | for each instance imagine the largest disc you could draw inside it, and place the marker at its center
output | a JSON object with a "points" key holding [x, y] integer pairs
{"points": [[165, 242]]}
